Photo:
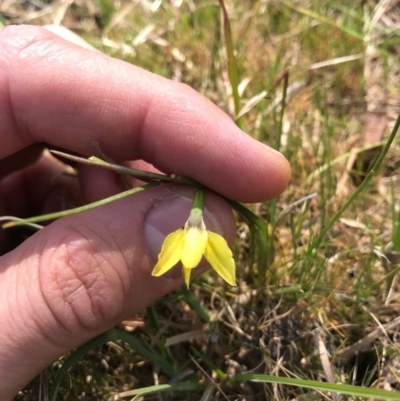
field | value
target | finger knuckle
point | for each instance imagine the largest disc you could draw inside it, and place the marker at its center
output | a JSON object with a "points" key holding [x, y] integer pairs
{"points": [[80, 280]]}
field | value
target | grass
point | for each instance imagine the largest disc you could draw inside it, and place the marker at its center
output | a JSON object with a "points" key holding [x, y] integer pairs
{"points": [[324, 283]]}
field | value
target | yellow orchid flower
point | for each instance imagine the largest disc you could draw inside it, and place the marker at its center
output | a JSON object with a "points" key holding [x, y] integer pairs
{"points": [[190, 243]]}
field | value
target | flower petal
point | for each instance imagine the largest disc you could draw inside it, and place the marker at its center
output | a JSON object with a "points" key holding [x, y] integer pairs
{"points": [[219, 255], [194, 245], [170, 254], [186, 275]]}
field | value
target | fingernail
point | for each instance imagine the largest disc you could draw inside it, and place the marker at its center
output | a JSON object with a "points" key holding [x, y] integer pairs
{"points": [[167, 216], [164, 218]]}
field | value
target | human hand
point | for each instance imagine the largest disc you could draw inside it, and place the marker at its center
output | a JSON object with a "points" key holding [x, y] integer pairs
{"points": [[83, 274]]}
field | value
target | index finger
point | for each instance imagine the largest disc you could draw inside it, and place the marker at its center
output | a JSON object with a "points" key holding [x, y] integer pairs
{"points": [[55, 92]]}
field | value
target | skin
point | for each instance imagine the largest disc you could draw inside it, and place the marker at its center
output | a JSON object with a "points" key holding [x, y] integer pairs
{"points": [[83, 274]]}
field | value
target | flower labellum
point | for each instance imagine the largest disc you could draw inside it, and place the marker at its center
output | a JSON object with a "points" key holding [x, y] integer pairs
{"points": [[190, 243]]}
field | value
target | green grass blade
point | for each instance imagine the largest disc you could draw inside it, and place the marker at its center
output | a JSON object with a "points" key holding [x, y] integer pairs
{"points": [[111, 335], [258, 236], [395, 219], [162, 388], [356, 391], [343, 157], [249, 216], [232, 67], [222, 375], [318, 17], [145, 350], [315, 244], [194, 304]]}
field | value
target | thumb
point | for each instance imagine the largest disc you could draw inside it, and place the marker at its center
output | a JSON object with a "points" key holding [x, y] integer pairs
{"points": [[83, 274]]}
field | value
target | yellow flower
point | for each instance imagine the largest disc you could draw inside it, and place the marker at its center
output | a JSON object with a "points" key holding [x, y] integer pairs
{"points": [[190, 243]]}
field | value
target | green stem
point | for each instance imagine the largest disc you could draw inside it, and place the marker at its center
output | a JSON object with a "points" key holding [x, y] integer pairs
{"points": [[142, 175], [198, 200], [70, 212]]}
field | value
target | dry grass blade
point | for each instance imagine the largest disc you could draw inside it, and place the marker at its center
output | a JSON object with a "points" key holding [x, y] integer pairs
{"points": [[251, 103], [185, 337], [325, 362], [335, 61]]}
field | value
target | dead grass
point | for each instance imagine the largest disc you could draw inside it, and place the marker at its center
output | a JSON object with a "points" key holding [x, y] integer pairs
{"points": [[329, 297]]}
